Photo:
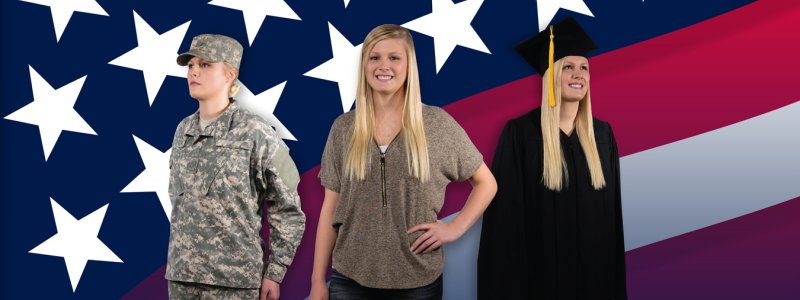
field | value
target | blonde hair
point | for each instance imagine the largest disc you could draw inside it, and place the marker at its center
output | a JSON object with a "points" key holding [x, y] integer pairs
{"points": [[413, 128], [555, 168], [235, 85]]}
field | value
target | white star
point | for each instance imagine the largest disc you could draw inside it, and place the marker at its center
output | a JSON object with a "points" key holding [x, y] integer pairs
{"points": [[256, 11], [76, 241], [155, 56], [546, 10], [52, 110], [155, 177], [61, 11], [264, 105], [346, 2], [342, 68], [449, 25]]}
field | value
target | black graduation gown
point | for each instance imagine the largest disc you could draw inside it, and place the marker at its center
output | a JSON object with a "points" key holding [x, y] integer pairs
{"points": [[540, 244]]}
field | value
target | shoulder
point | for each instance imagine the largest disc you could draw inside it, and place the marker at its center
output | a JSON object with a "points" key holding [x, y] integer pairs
{"points": [[344, 121], [247, 125], [186, 122], [244, 119], [184, 126], [602, 131], [437, 119], [435, 113], [601, 125], [527, 124], [342, 126]]}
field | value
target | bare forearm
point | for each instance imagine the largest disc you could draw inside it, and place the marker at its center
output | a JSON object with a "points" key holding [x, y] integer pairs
{"points": [[326, 237], [484, 188]]}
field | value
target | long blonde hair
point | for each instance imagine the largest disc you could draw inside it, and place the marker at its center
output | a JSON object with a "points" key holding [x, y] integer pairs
{"points": [[555, 168], [413, 129]]}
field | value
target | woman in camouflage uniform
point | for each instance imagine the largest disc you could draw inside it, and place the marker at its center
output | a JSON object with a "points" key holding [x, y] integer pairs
{"points": [[225, 162]]}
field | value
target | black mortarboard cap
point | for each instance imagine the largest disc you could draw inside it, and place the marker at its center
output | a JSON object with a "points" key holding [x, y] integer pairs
{"points": [[569, 39]]}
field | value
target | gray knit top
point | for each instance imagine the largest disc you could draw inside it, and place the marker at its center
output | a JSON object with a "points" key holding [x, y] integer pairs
{"points": [[373, 215]]}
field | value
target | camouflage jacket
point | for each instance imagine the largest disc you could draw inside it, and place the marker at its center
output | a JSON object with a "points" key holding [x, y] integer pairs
{"points": [[218, 179]]}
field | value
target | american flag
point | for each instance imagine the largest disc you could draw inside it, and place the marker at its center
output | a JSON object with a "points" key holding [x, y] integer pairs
{"points": [[701, 95]]}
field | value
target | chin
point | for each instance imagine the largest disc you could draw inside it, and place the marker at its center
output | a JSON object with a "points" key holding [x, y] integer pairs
{"points": [[571, 99], [196, 96], [386, 90]]}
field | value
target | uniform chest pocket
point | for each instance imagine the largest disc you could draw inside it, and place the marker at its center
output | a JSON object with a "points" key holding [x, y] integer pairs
{"points": [[229, 167], [179, 150]]}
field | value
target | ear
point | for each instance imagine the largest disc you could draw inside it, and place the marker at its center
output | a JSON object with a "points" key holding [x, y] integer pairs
{"points": [[230, 74]]}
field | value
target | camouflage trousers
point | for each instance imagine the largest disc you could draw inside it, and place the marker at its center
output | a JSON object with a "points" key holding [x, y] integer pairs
{"points": [[179, 290]]}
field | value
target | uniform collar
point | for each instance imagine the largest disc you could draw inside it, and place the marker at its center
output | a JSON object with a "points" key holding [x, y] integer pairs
{"points": [[218, 128]]}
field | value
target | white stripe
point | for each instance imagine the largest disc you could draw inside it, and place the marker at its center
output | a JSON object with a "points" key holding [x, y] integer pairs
{"points": [[710, 178]]}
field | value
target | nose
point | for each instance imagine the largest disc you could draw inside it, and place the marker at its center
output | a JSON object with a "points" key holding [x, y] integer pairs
{"points": [[193, 71]]}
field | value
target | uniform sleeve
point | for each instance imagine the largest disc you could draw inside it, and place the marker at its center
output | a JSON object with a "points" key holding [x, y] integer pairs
{"points": [[463, 158], [287, 221], [621, 291], [502, 255], [330, 165]]}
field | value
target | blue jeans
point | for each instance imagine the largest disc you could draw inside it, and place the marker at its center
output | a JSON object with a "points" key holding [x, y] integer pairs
{"points": [[343, 288]]}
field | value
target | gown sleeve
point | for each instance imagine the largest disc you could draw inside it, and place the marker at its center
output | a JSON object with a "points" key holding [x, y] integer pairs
{"points": [[619, 269], [502, 254]]}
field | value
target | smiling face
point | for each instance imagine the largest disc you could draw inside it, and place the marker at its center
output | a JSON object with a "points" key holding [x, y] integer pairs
{"points": [[208, 79], [574, 78], [387, 66]]}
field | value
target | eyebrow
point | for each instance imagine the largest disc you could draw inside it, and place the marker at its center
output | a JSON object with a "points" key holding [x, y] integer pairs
{"points": [[390, 53]]}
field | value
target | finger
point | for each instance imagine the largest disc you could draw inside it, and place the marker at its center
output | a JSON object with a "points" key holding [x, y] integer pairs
{"points": [[426, 244], [434, 246], [273, 295], [419, 227], [263, 294], [421, 239]]}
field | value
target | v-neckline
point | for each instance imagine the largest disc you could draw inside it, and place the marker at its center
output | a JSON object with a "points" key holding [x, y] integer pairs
{"points": [[374, 141]]}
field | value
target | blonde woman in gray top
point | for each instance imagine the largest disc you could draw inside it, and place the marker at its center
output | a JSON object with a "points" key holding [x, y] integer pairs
{"points": [[385, 168]]}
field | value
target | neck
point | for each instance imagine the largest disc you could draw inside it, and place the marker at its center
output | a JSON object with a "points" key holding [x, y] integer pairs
{"points": [[388, 104], [568, 113], [212, 108]]}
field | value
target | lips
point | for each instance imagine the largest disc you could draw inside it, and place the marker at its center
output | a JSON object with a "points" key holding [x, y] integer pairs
{"points": [[576, 85], [193, 83]]}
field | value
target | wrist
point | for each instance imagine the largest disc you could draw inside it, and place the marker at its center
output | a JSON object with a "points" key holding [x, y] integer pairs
{"points": [[265, 280], [318, 278], [459, 226]]}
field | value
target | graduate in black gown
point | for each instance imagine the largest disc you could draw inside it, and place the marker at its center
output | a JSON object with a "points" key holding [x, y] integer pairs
{"points": [[554, 229]]}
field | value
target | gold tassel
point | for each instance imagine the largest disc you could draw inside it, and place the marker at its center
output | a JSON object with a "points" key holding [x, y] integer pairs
{"points": [[550, 92]]}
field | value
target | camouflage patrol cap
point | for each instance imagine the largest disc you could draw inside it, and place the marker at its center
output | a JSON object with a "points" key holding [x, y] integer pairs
{"points": [[213, 48]]}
